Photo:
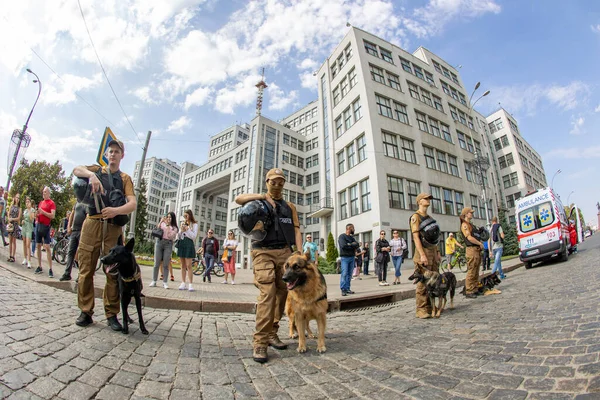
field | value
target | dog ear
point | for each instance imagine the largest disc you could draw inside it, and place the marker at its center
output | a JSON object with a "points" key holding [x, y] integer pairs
{"points": [[307, 255], [130, 244]]}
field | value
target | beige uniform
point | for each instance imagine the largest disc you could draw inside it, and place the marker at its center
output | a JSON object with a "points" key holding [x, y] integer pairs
{"points": [[90, 249], [432, 265], [473, 254], [268, 273]]}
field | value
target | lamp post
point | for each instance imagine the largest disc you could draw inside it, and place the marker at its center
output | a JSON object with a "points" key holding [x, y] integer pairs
{"points": [[558, 171], [568, 197], [480, 162], [22, 138]]}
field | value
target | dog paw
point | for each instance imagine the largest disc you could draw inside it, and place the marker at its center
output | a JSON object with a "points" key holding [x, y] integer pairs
{"points": [[145, 331], [125, 331], [301, 349], [322, 349], [312, 336], [294, 336]]}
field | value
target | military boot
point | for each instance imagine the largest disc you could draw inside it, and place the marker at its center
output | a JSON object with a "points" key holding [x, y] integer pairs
{"points": [[276, 343], [260, 354]]}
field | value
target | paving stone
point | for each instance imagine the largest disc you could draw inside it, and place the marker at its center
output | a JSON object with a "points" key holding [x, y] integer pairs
{"points": [[78, 391], [538, 384], [46, 387], [17, 378], [500, 381], [571, 385], [507, 394], [113, 392], [126, 379], [155, 390], [97, 376]]}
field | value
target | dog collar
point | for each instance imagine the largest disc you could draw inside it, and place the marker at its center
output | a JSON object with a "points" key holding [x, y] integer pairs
{"points": [[135, 277]]}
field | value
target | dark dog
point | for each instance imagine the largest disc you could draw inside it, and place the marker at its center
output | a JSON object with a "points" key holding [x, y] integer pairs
{"points": [[489, 281], [437, 286], [306, 300], [121, 261]]}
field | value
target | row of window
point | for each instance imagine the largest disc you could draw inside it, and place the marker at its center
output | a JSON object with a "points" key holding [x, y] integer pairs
{"points": [[510, 180], [424, 96], [506, 160], [239, 174], [302, 118], [237, 191], [241, 155], [433, 127], [454, 93], [443, 70], [214, 169], [501, 142], [348, 117], [308, 129], [353, 154], [342, 90], [293, 142], [373, 50], [341, 60], [220, 149], [446, 201], [461, 117], [221, 138], [355, 199], [417, 71], [440, 161], [496, 125], [293, 159], [467, 143]]}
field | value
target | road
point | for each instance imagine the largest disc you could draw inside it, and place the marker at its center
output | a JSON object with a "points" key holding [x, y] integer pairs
{"points": [[539, 339]]}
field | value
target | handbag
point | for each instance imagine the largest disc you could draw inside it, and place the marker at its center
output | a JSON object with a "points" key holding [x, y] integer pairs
{"points": [[157, 233], [10, 228], [225, 256], [380, 257]]}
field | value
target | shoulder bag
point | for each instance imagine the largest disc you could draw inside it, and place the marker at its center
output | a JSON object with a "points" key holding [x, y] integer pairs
{"points": [[157, 233]]}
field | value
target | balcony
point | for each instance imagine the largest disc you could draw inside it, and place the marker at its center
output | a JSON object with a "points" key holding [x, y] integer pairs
{"points": [[321, 209]]}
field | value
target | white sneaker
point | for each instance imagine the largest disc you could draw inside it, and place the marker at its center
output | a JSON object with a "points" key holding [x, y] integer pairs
{"points": [[24, 262], [381, 283], [232, 282], [224, 282], [191, 288], [182, 286], [153, 284], [165, 286], [28, 265]]}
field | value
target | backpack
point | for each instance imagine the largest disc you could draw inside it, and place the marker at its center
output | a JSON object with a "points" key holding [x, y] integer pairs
{"points": [[495, 236]]}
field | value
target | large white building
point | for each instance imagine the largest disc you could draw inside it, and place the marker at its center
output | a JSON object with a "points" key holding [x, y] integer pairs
{"points": [[161, 176], [387, 125], [520, 167]]}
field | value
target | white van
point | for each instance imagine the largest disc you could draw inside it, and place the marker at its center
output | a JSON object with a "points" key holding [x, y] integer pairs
{"points": [[542, 227]]}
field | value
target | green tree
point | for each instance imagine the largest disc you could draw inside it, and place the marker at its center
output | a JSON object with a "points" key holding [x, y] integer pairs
{"points": [[511, 242], [30, 179], [332, 251], [141, 218]]}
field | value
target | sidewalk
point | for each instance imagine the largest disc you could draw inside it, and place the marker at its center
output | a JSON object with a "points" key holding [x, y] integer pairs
{"points": [[241, 297]]}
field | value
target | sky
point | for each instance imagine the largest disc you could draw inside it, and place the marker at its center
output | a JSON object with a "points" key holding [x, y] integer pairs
{"points": [[187, 69]]}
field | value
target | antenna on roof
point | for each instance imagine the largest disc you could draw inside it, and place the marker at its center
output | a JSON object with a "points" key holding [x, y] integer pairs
{"points": [[261, 87]]}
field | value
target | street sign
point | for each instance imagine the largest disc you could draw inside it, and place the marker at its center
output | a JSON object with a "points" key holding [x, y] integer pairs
{"points": [[108, 136]]}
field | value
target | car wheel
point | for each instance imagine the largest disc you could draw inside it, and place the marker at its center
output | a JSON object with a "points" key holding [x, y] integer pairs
{"points": [[528, 265]]}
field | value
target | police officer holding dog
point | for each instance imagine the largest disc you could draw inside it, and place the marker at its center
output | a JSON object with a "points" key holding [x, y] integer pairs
{"points": [[473, 252], [114, 200], [269, 255], [425, 232]]}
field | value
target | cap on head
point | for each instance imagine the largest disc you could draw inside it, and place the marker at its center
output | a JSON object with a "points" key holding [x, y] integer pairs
{"points": [[118, 143], [422, 196], [451, 234], [466, 210], [275, 173]]}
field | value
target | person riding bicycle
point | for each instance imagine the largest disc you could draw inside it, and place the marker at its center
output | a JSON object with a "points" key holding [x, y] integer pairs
{"points": [[451, 244]]}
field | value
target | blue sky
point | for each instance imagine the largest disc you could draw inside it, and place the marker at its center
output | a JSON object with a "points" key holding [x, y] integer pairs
{"points": [[186, 69]]}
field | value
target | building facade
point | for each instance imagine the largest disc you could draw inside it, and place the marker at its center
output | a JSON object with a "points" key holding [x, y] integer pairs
{"points": [[520, 167], [162, 177]]}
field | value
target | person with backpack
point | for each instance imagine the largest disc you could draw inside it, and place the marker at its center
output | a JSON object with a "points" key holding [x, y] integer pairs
{"points": [[497, 247], [473, 252]]}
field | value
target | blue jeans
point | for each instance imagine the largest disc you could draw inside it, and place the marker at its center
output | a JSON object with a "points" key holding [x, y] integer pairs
{"points": [[366, 266], [347, 268], [209, 260], [397, 261], [163, 249], [498, 262]]}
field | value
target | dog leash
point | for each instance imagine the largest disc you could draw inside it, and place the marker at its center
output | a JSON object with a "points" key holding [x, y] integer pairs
{"points": [[98, 201]]}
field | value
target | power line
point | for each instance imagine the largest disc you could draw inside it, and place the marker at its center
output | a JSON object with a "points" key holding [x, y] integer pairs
{"points": [[105, 75]]}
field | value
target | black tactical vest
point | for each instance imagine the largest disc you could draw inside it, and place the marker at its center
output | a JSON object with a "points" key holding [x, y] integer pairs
{"points": [[282, 234]]}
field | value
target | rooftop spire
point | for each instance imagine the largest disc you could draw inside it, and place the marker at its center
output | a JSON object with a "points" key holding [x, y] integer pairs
{"points": [[261, 87]]}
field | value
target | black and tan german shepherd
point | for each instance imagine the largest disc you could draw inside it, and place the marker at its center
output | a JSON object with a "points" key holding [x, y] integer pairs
{"points": [[306, 300], [438, 287], [121, 261]]}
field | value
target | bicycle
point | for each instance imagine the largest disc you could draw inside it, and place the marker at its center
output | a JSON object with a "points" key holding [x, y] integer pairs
{"points": [[198, 267], [458, 261], [60, 249]]}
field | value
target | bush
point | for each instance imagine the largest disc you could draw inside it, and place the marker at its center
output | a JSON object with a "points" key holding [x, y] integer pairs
{"points": [[326, 267], [332, 251]]}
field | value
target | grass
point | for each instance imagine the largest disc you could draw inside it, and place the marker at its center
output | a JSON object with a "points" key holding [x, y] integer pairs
{"points": [[509, 257]]}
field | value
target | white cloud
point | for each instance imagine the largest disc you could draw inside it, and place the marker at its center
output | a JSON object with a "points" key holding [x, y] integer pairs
{"points": [[278, 99], [308, 81], [596, 28], [197, 98], [308, 63], [61, 92], [243, 93], [180, 123], [574, 153], [431, 19], [597, 109], [567, 97], [577, 125]]}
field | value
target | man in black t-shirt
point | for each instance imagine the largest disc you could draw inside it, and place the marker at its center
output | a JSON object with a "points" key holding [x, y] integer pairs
{"points": [[73, 228], [210, 250]]}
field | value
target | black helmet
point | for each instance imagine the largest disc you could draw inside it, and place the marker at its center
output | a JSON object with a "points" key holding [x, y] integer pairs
{"points": [[254, 219], [484, 234], [83, 191], [430, 231]]}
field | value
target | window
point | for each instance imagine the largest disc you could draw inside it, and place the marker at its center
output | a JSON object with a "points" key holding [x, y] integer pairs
{"points": [[343, 205], [510, 201], [446, 88], [510, 180], [414, 91], [504, 140], [437, 67], [455, 78], [341, 161], [336, 95], [422, 122], [418, 72], [383, 106], [407, 152], [393, 81], [347, 119], [435, 127], [352, 78], [344, 86], [426, 97], [361, 142], [386, 55], [401, 113], [354, 200], [463, 100], [497, 144], [468, 171], [414, 188], [334, 70], [429, 78], [341, 61], [406, 65], [448, 204], [453, 165], [390, 146], [377, 74], [437, 102], [357, 110], [365, 195], [460, 202], [442, 163], [429, 157], [395, 192], [446, 133], [348, 51], [338, 126], [454, 113], [461, 140], [351, 155], [436, 202], [371, 49], [475, 206]]}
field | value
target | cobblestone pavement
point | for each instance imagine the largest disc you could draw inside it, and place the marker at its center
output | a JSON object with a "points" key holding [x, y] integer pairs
{"points": [[539, 339]]}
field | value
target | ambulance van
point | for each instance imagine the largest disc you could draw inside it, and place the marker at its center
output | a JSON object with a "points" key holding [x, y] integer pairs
{"points": [[542, 227]]}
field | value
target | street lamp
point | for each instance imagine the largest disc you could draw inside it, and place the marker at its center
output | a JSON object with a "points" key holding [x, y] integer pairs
{"points": [[554, 176], [21, 138], [480, 162]]}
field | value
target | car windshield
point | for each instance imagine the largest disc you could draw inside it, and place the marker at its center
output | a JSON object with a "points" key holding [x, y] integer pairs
{"points": [[536, 217]]}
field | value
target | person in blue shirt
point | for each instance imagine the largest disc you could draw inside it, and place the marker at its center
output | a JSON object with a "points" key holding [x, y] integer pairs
{"points": [[311, 246], [486, 256]]}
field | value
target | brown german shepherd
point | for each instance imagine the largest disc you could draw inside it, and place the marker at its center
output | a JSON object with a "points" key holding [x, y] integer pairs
{"points": [[306, 300]]}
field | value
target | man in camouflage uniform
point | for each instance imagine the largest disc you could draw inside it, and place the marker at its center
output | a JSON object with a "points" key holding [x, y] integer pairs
{"points": [[473, 253]]}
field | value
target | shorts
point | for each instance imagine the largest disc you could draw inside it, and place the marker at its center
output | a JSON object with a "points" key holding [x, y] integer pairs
{"points": [[42, 234]]}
